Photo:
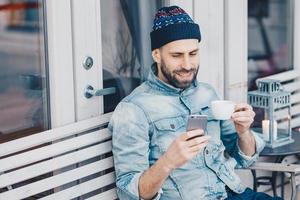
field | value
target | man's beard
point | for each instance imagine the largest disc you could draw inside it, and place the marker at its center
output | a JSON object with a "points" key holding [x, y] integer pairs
{"points": [[171, 76]]}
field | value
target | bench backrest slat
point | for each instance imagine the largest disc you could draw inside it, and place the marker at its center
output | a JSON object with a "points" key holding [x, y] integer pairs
{"points": [[83, 188], [54, 149], [57, 180], [53, 134], [53, 164], [110, 194], [285, 76]]}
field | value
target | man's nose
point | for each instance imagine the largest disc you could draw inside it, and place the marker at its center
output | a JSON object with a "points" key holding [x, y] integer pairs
{"points": [[186, 63]]}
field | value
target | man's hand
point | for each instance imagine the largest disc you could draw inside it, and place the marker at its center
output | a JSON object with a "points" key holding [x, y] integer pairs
{"points": [[183, 150], [243, 117]]}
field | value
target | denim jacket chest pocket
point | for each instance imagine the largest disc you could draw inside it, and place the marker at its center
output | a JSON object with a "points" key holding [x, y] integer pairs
{"points": [[167, 130]]}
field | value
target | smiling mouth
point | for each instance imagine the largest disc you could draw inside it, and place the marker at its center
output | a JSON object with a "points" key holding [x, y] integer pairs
{"points": [[184, 74]]}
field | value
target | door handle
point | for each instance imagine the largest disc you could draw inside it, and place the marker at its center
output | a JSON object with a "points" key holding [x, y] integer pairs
{"points": [[89, 91]]}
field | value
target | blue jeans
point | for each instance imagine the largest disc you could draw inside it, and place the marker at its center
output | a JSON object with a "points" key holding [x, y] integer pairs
{"points": [[249, 194]]}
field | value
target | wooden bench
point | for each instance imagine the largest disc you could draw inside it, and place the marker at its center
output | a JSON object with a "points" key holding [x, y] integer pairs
{"points": [[62, 163], [290, 81]]}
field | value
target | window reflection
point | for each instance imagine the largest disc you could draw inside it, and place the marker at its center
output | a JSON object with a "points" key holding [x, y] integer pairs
{"points": [[270, 27], [23, 97]]}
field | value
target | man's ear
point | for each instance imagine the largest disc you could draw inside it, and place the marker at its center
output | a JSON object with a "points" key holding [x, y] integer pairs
{"points": [[156, 55]]}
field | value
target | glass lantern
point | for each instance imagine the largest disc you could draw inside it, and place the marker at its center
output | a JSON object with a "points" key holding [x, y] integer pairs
{"points": [[275, 105]]}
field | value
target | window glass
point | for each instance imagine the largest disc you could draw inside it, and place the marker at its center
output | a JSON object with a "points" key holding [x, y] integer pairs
{"points": [[24, 102]]}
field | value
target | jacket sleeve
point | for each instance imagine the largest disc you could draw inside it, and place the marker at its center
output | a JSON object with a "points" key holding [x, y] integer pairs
{"points": [[230, 141], [129, 126]]}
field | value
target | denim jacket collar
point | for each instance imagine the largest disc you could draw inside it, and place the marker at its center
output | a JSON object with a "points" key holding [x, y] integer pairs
{"points": [[160, 85]]}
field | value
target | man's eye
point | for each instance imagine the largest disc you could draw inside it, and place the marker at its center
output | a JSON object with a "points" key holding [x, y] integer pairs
{"points": [[193, 54], [175, 55]]}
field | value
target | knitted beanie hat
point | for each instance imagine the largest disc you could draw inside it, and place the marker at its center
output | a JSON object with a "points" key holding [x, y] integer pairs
{"points": [[170, 24]]}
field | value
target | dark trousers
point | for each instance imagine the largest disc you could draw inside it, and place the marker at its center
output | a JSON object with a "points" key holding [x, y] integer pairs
{"points": [[249, 194]]}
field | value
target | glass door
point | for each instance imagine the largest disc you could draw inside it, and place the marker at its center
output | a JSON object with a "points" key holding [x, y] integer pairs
{"points": [[24, 91]]}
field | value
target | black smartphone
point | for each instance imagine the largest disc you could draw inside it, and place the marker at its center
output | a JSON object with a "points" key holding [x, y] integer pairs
{"points": [[196, 122]]}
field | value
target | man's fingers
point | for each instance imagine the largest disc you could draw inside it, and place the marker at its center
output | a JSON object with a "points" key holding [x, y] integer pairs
{"points": [[242, 107], [191, 134], [198, 140], [248, 113], [197, 148], [243, 119]]}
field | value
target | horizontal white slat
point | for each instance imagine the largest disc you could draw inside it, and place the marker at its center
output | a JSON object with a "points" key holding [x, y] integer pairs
{"points": [[107, 195], [295, 98], [53, 164], [57, 180], [285, 76], [83, 188], [295, 110], [279, 167], [295, 122], [53, 134], [292, 87], [53, 150]]}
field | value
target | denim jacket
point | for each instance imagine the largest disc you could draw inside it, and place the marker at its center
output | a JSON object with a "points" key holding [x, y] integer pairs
{"points": [[146, 122]]}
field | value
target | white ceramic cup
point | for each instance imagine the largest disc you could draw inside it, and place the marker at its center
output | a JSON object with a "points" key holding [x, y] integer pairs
{"points": [[222, 109]]}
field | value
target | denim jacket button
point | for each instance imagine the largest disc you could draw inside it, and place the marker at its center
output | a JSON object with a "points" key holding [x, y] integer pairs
{"points": [[206, 151]]}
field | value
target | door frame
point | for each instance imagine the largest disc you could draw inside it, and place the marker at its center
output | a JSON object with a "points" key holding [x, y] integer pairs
{"points": [[86, 28], [60, 62]]}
